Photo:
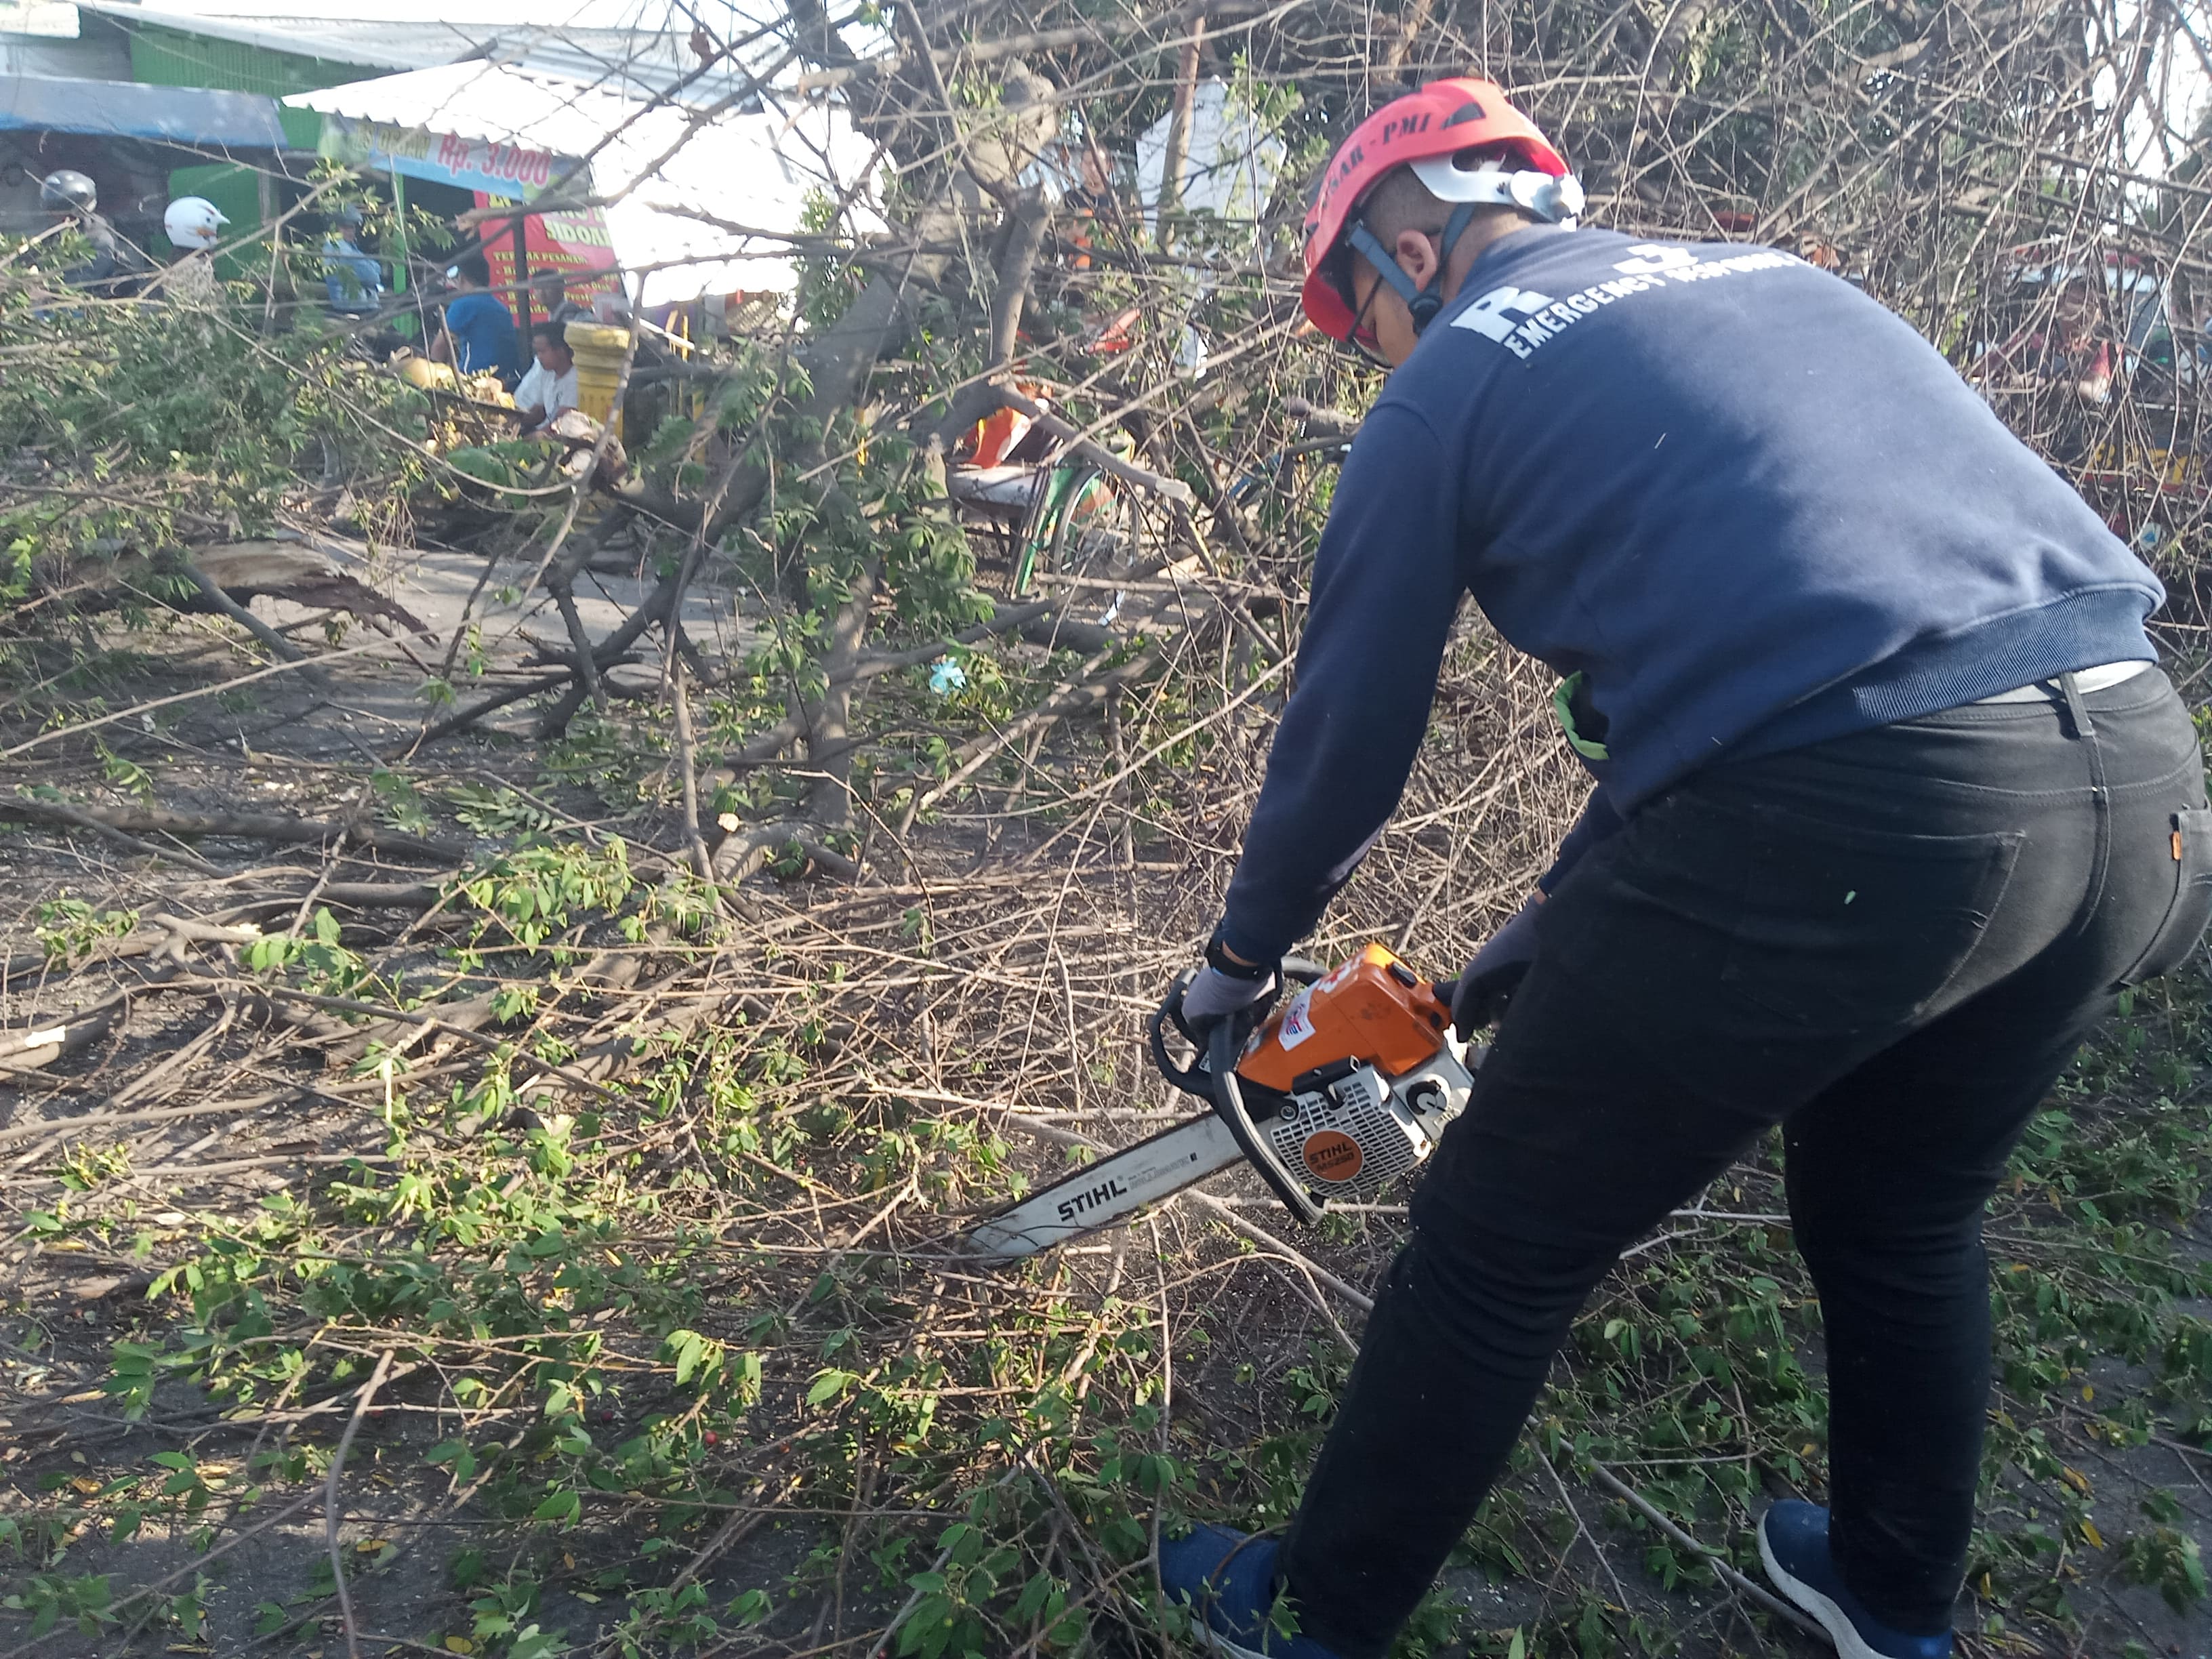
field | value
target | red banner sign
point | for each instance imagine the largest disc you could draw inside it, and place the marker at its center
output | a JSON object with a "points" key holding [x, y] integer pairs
{"points": [[576, 245]]}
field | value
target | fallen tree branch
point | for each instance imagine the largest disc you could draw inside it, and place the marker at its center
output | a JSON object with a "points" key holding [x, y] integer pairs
{"points": [[687, 762], [29, 1047], [1613, 1484], [77, 817], [376, 895], [587, 663], [227, 574], [466, 717], [745, 850], [250, 826], [1030, 219], [331, 1513], [238, 613]]}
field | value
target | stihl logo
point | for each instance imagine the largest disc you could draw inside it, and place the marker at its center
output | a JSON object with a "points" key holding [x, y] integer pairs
{"points": [[1333, 1156], [1102, 1193]]}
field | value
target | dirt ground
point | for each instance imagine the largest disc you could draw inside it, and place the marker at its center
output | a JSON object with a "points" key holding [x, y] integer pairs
{"points": [[415, 1572]]}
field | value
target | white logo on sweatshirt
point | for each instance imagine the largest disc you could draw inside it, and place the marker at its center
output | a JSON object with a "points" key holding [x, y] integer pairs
{"points": [[1521, 320]]}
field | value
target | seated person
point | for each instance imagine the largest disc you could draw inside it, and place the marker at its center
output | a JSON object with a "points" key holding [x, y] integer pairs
{"points": [[73, 198], [549, 298], [354, 279], [549, 387], [194, 226], [479, 335]]}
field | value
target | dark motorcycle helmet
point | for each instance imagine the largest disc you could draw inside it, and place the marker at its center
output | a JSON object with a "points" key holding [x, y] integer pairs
{"points": [[68, 191]]}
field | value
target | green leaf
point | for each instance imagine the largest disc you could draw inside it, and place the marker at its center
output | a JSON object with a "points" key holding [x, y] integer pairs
{"points": [[457, 1454]]}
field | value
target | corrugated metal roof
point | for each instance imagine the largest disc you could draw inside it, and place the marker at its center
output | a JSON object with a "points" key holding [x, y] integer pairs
{"points": [[495, 102], [647, 61]]}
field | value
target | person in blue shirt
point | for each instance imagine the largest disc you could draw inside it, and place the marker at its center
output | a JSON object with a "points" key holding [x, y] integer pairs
{"points": [[353, 279], [479, 335], [1891, 803]]}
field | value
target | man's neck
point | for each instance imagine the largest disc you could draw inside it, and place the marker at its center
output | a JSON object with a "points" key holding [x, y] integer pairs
{"points": [[1486, 232]]}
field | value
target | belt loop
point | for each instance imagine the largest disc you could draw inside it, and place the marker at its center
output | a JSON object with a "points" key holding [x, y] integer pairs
{"points": [[2076, 715]]}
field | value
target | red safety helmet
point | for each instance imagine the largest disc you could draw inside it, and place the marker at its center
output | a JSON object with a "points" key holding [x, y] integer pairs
{"points": [[1425, 129]]}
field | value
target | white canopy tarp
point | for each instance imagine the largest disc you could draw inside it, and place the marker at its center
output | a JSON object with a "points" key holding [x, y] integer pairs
{"points": [[694, 205], [1230, 167]]}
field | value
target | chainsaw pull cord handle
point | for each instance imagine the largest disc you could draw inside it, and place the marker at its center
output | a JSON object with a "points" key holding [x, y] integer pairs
{"points": [[1222, 1046]]}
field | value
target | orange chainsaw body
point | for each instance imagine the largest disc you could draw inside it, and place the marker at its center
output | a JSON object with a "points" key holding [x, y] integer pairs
{"points": [[1372, 1010]]}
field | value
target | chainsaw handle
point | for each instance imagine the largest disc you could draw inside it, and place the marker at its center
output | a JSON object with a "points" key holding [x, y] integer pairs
{"points": [[1191, 1079], [1222, 1043], [1213, 1079]]}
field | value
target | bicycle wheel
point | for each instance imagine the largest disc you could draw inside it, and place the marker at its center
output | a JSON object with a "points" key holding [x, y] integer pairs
{"points": [[1097, 534], [1045, 522]]}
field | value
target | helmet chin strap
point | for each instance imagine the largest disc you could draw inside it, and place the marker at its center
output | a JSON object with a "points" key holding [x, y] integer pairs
{"points": [[1422, 303]]}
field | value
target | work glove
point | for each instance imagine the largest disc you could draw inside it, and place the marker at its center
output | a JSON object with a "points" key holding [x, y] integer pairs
{"points": [[1225, 988], [1478, 996], [1212, 995]]}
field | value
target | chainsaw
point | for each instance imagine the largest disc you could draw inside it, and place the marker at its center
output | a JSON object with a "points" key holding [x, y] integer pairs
{"points": [[1337, 1093]]}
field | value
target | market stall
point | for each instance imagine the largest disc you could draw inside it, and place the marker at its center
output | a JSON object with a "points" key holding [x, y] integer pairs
{"points": [[674, 203]]}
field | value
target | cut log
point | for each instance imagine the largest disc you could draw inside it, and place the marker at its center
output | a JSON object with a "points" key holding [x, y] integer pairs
{"points": [[30, 1047]]}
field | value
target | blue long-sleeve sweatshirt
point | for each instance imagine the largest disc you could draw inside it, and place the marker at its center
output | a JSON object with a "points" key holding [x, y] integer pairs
{"points": [[1747, 506]]}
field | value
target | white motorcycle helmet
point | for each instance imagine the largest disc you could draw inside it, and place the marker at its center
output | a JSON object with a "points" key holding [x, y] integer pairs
{"points": [[193, 223]]}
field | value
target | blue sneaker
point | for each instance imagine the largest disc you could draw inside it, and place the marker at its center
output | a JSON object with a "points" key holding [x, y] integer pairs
{"points": [[1793, 1542], [1228, 1580]]}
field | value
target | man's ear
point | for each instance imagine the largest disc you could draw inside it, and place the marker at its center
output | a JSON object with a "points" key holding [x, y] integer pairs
{"points": [[1417, 256]]}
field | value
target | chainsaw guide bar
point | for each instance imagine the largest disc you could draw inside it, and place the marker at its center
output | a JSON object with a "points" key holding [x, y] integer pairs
{"points": [[1109, 1191], [1341, 1091]]}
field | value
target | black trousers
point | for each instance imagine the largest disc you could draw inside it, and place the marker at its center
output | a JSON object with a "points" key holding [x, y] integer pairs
{"points": [[1891, 944]]}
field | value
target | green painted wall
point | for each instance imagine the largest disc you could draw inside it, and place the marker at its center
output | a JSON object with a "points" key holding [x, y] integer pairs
{"points": [[171, 57], [236, 193]]}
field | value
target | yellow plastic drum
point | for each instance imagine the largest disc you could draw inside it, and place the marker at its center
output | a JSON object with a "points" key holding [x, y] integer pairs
{"points": [[599, 349]]}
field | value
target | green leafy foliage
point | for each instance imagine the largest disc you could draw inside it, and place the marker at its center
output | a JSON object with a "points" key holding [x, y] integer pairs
{"points": [[131, 428], [2170, 1560], [68, 928]]}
